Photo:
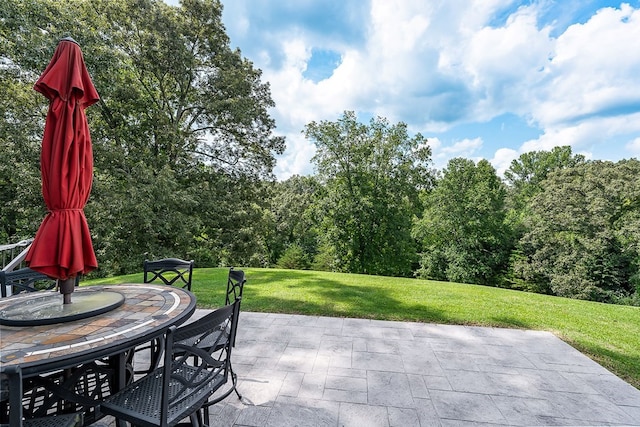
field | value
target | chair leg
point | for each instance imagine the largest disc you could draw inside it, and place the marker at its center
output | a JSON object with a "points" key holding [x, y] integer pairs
{"points": [[195, 419], [157, 348], [234, 381], [205, 414], [234, 387]]}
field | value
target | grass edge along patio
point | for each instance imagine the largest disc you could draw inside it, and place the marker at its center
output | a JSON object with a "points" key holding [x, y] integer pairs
{"points": [[606, 333]]}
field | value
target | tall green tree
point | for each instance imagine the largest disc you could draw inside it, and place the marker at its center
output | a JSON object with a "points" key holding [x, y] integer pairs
{"points": [[292, 223], [20, 127], [182, 119], [582, 237], [462, 229], [525, 178], [525, 175], [372, 176]]}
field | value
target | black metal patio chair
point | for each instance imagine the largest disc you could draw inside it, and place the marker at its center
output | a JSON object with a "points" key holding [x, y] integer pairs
{"points": [[235, 285], [24, 280], [12, 393], [170, 272], [190, 374]]}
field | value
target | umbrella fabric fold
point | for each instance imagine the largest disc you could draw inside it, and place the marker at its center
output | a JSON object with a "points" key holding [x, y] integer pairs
{"points": [[62, 247]]}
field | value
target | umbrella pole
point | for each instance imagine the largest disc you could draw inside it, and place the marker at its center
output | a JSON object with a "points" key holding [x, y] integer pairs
{"points": [[66, 287]]}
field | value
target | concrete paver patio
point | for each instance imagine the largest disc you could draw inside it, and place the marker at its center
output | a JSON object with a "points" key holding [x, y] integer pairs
{"points": [[319, 371]]}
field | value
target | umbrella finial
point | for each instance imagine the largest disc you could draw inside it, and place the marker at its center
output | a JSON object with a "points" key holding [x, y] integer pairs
{"points": [[69, 39]]}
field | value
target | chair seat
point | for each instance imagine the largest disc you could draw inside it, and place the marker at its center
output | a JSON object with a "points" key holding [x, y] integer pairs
{"points": [[64, 420], [144, 397]]}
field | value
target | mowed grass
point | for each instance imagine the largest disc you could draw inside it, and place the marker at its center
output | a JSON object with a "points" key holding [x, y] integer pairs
{"points": [[609, 334]]}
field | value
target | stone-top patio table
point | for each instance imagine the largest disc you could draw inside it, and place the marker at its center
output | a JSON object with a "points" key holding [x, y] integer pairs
{"points": [[146, 313]]}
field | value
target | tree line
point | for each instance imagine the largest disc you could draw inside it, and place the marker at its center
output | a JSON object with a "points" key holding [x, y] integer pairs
{"points": [[556, 224], [184, 150]]}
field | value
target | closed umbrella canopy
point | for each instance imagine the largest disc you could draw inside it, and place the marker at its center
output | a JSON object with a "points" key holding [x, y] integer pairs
{"points": [[62, 246]]}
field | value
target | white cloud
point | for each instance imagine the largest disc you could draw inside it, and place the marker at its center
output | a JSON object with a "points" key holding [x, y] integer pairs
{"points": [[506, 64], [634, 147], [297, 158], [583, 136], [437, 65], [502, 159], [466, 148], [594, 69], [434, 142], [463, 147]]}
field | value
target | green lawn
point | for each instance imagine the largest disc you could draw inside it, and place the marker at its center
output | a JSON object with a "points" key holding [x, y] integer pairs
{"points": [[607, 333]]}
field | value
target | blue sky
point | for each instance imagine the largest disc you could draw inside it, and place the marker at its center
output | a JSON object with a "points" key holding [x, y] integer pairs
{"points": [[480, 79]]}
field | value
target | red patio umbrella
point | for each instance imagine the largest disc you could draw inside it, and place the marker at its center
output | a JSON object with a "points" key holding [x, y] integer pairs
{"points": [[62, 247]]}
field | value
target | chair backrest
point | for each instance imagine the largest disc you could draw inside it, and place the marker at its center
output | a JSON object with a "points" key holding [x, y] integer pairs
{"points": [[170, 271], [11, 389], [212, 333], [202, 348], [24, 280], [235, 285]]}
